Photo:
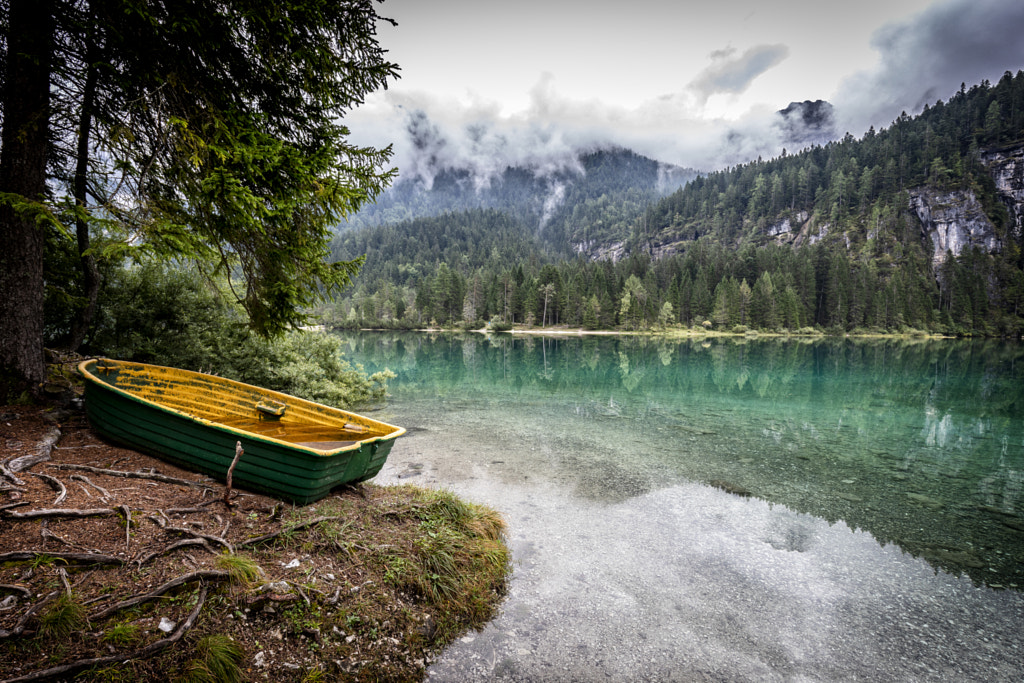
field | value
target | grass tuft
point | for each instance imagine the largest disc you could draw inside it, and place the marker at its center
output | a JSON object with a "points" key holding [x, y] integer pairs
{"points": [[121, 634], [218, 659], [459, 559], [63, 618], [445, 506], [243, 570], [487, 523]]}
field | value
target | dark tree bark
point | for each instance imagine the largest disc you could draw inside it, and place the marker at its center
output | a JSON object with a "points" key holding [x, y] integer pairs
{"points": [[90, 273], [26, 103]]}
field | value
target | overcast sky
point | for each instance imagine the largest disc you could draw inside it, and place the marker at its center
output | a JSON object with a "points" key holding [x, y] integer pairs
{"points": [[491, 82]]}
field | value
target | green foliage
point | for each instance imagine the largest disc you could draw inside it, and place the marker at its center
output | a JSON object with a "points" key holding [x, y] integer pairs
{"points": [[173, 317], [206, 132], [247, 165], [496, 324]]}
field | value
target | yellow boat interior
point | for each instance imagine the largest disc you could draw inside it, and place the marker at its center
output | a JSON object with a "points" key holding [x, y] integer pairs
{"points": [[239, 406]]}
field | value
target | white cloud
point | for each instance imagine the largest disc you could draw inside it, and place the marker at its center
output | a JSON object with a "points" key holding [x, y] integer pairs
{"points": [[729, 74], [927, 57], [919, 60]]}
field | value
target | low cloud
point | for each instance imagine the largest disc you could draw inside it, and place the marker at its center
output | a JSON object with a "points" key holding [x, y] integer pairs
{"points": [[920, 60], [927, 57], [430, 134], [730, 74]]}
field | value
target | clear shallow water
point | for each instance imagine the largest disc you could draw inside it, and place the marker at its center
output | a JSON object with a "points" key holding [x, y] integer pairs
{"points": [[883, 536]]}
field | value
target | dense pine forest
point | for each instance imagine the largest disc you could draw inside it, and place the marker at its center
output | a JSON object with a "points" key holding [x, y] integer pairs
{"points": [[827, 238]]}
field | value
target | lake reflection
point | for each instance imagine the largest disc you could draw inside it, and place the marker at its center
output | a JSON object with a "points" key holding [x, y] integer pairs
{"points": [[919, 443]]}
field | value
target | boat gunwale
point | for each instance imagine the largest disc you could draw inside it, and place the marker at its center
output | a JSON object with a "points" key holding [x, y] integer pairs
{"points": [[355, 446]]}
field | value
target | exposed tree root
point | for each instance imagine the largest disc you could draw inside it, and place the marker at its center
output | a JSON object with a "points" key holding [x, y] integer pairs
{"points": [[82, 558], [126, 511], [207, 537], [174, 546], [68, 513], [141, 653], [11, 476], [105, 494], [19, 628], [231, 471], [155, 476], [55, 484], [267, 537], [209, 575], [42, 454]]}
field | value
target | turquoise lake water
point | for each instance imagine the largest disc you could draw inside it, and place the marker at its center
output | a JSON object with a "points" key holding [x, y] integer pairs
{"points": [[919, 443], [727, 509]]}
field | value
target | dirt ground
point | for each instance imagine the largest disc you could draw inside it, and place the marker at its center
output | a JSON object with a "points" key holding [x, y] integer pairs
{"points": [[319, 605]]}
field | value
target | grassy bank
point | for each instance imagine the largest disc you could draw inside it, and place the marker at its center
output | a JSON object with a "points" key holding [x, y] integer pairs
{"points": [[367, 584]]}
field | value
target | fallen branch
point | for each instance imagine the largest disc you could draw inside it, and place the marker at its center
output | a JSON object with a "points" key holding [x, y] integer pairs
{"points": [[141, 653], [55, 512], [90, 558], [231, 471], [267, 537], [155, 476], [55, 484], [208, 575]]}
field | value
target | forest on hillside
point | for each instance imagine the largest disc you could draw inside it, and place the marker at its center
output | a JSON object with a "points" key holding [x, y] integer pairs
{"points": [[708, 255]]}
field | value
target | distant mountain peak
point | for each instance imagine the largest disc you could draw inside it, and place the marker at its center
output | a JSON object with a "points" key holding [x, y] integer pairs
{"points": [[808, 122]]}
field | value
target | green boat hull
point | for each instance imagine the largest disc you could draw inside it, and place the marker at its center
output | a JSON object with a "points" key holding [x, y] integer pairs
{"points": [[293, 472]]}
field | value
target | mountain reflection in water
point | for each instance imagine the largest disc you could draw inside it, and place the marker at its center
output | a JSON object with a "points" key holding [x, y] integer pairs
{"points": [[920, 443]]}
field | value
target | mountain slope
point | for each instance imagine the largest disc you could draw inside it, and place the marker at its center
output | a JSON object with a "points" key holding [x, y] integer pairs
{"points": [[561, 199], [917, 225]]}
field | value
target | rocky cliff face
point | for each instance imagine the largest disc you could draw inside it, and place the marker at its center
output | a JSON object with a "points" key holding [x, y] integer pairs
{"points": [[1007, 169], [953, 221]]}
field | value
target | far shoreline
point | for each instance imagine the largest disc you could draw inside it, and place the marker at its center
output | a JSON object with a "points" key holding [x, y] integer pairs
{"points": [[666, 333]]}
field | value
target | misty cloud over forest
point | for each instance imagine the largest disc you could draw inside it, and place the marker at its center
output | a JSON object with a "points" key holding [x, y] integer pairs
{"points": [[919, 61]]}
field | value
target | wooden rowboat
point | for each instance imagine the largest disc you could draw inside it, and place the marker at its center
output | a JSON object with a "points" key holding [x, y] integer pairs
{"points": [[294, 449]]}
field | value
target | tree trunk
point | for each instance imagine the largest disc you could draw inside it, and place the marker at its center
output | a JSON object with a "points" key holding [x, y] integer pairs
{"points": [[23, 179], [90, 273]]}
